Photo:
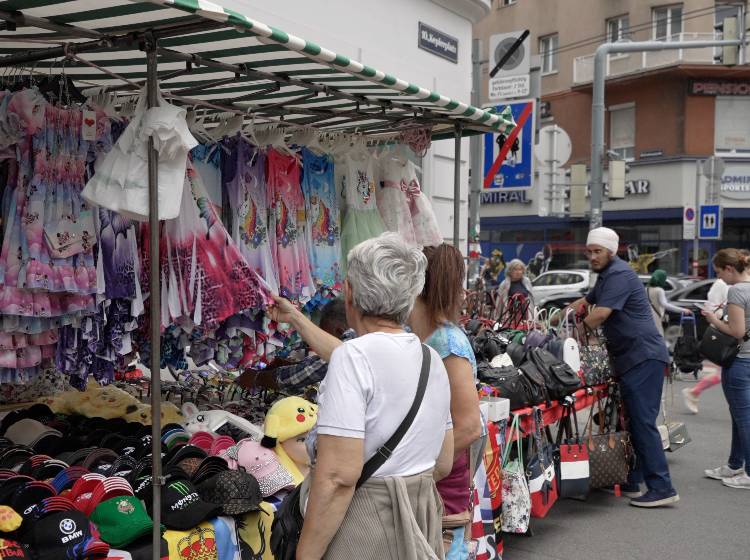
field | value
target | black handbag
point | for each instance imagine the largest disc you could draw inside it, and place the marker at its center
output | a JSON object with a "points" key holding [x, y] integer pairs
{"points": [[287, 524], [719, 347], [509, 383]]}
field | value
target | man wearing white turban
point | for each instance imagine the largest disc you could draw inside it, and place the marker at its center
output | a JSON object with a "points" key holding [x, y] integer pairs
{"points": [[618, 303]]}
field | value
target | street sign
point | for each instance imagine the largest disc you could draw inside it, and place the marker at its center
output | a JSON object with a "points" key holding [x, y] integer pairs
{"points": [[512, 80], [688, 222], [516, 169], [552, 151], [710, 222]]}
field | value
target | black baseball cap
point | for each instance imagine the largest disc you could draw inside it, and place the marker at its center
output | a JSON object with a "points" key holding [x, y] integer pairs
{"points": [[14, 549], [182, 506], [65, 534], [237, 492]]}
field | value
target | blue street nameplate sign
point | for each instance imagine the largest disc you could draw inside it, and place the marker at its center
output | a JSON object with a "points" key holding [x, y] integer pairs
{"points": [[438, 43]]}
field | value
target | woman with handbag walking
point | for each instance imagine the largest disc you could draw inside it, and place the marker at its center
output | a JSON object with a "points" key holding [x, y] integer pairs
{"points": [[384, 432], [434, 319], [733, 266]]}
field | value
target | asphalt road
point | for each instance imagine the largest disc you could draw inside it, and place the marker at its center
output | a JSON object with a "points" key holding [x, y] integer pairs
{"points": [[711, 521]]}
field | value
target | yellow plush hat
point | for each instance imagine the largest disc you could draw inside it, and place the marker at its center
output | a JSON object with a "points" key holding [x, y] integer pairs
{"points": [[286, 419]]}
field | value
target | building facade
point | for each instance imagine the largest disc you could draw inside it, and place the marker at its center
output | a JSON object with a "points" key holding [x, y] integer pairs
{"points": [[665, 111], [384, 34]]}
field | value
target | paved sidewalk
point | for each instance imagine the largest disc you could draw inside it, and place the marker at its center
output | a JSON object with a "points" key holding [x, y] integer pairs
{"points": [[711, 522]]}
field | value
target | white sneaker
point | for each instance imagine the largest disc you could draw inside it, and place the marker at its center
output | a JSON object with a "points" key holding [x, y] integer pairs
{"points": [[690, 400], [741, 481], [723, 473]]}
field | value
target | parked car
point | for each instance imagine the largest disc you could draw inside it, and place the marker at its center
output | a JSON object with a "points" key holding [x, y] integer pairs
{"points": [[692, 297], [556, 281]]}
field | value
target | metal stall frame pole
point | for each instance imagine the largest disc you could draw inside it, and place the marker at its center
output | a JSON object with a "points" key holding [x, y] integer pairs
{"points": [[157, 480], [457, 187], [597, 105]]}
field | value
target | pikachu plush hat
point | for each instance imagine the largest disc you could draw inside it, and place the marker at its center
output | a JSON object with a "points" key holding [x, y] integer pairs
{"points": [[286, 419]]}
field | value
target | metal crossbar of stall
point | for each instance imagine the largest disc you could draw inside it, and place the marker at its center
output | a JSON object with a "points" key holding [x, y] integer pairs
{"points": [[227, 63]]}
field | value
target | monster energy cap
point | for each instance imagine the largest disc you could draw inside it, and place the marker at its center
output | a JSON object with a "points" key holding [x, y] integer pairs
{"points": [[182, 506]]}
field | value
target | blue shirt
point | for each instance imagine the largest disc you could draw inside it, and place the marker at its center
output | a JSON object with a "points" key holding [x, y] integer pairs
{"points": [[630, 330], [450, 340]]}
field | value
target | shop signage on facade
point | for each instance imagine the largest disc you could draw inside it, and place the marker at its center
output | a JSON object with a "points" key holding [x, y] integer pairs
{"points": [[438, 43], [736, 186], [498, 196], [718, 87]]}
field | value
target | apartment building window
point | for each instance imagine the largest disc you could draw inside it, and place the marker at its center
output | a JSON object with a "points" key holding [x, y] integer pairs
{"points": [[667, 22], [732, 126], [622, 130], [618, 29], [548, 51]]}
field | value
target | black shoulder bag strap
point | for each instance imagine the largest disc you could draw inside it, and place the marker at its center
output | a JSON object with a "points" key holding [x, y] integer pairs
{"points": [[386, 450]]}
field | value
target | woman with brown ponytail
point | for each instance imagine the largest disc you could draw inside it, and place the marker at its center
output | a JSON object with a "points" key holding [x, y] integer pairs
{"points": [[733, 266], [434, 319]]}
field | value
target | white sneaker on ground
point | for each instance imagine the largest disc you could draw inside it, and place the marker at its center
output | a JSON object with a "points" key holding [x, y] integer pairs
{"points": [[690, 400], [723, 472], [741, 481]]}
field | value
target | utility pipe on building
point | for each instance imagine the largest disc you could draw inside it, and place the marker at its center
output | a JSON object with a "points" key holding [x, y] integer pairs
{"points": [[597, 105]]}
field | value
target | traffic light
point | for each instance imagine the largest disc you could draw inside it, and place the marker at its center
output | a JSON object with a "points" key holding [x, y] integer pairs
{"points": [[729, 31]]}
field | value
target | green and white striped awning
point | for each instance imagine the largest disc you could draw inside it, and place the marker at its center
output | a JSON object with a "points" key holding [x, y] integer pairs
{"points": [[226, 61]]}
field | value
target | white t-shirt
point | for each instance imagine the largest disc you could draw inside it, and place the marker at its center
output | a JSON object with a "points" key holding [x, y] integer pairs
{"points": [[369, 388]]}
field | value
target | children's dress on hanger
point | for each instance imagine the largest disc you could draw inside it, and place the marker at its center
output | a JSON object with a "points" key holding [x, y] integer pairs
{"points": [[244, 179], [362, 220], [287, 217], [322, 219], [395, 196]]}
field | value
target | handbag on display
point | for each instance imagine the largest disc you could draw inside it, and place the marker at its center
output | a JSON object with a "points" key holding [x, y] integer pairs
{"points": [[719, 347], [609, 450], [287, 524], [595, 363], [560, 379], [541, 469], [515, 490], [572, 455]]}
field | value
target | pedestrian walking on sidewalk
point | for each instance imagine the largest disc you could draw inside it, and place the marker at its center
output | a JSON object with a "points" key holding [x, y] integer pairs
{"points": [[717, 302], [657, 297], [640, 360], [733, 266]]}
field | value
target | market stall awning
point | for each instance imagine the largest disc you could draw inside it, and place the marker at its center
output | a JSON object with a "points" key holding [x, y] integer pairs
{"points": [[225, 61]]}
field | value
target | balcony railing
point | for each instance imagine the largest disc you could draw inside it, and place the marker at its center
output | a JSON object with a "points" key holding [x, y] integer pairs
{"points": [[632, 63]]}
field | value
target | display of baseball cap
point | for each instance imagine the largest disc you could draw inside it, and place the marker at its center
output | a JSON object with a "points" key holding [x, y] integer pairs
{"points": [[66, 534], [177, 454], [106, 489], [66, 478], [220, 444], [262, 463], [13, 457], [202, 440], [83, 487], [9, 486], [237, 492], [121, 520], [100, 460], [209, 467], [182, 506], [28, 498], [28, 431]]}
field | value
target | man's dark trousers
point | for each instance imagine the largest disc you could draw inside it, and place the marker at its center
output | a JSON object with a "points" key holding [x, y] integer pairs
{"points": [[641, 388]]}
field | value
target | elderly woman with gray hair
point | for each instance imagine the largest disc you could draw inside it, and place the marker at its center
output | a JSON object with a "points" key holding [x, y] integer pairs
{"points": [[369, 389], [516, 282]]}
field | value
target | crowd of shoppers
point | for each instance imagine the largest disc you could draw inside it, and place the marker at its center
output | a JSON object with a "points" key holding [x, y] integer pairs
{"points": [[369, 355]]}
